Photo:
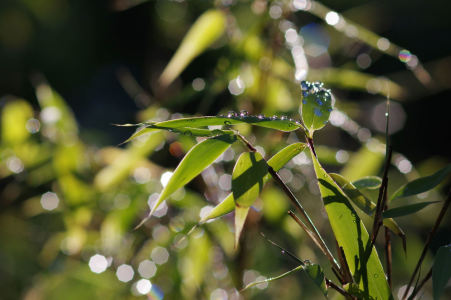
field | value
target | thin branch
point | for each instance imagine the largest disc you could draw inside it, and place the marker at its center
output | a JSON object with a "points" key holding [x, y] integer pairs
{"points": [[381, 200], [294, 201], [283, 250], [420, 285], [321, 246], [428, 241], [388, 257]]}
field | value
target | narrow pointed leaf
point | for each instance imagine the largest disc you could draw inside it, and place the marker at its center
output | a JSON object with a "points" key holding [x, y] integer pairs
{"points": [[422, 184], [247, 178], [316, 273], [189, 131], [316, 105], [366, 205], [368, 182], [195, 161], [280, 159], [206, 30], [282, 123], [240, 219], [247, 183], [351, 234], [441, 271], [406, 209]]}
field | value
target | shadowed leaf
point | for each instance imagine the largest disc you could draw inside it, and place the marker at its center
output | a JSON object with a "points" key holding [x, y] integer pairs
{"points": [[441, 271], [368, 182], [247, 183], [422, 184], [406, 209], [352, 235], [276, 162]]}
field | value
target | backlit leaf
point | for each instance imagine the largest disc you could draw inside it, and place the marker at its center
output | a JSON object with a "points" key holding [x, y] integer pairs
{"points": [[276, 162], [194, 162], [351, 234], [279, 123], [206, 30], [247, 183], [366, 205], [316, 105]]}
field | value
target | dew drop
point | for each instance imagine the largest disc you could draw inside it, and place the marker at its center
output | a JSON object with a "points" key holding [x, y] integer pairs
{"points": [[227, 123], [188, 133], [260, 117], [318, 100], [304, 101], [243, 113], [304, 85], [231, 114], [318, 112], [375, 275], [283, 118], [304, 93]]}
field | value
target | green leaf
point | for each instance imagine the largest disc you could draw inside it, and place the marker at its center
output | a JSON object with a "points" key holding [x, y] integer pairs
{"points": [[406, 209], [366, 205], [189, 131], [195, 161], [422, 184], [354, 194], [316, 273], [206, 30], [247, 178], [278, 123], [368, 182], [351, 234], [316, 105], [276, 162], [247, 183], [441, 271]]}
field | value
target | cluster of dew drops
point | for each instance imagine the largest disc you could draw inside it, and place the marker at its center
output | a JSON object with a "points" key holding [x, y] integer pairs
{"points": [[321, 95], [246, 117]]}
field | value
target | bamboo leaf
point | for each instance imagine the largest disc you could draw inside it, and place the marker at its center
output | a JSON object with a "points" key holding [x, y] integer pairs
{"points": [[368, 182], [406, 209], [247, 183], [366, 205], [316, 273], [441, 270], [276, 162], [206, 30], [422, 184], [189, 131], [282, 123], [194, 162], [316, 105], [351, 234]]}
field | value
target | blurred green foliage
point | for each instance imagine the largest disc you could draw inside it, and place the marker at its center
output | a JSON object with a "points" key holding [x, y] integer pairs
{"points": [[69, 200]]}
